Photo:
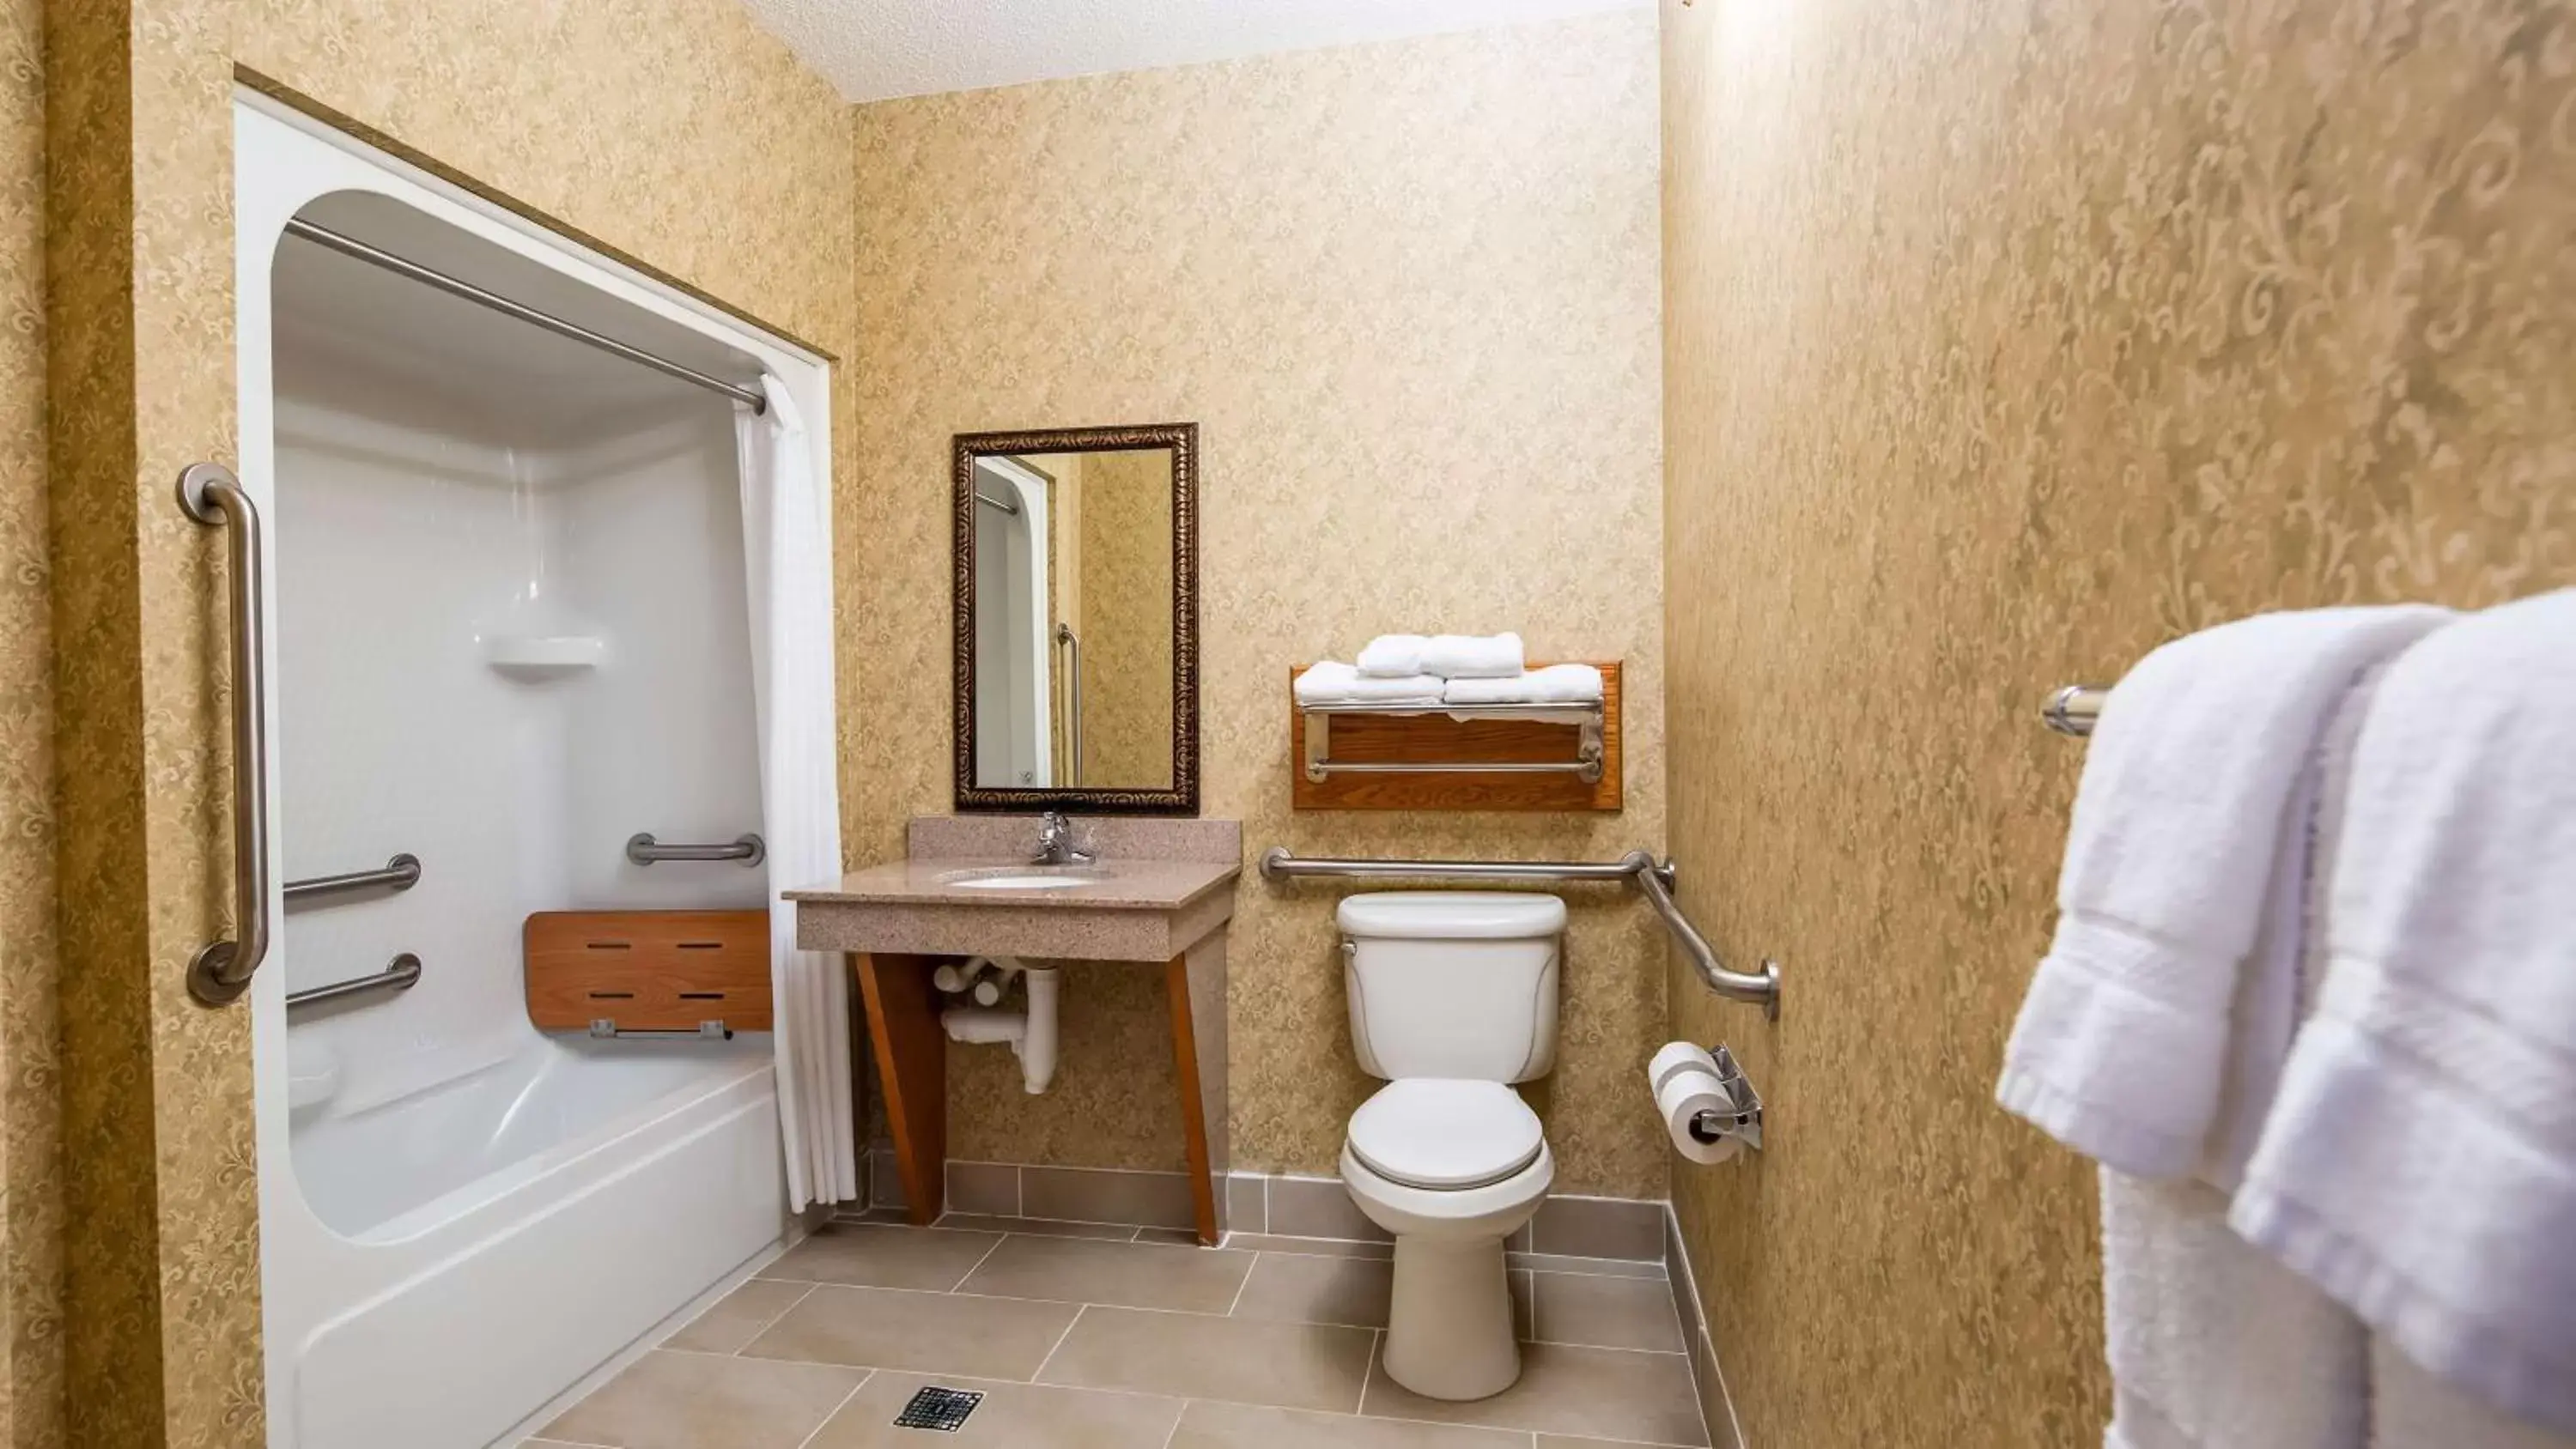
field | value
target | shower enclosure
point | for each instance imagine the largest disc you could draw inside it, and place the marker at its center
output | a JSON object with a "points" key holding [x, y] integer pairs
{"points": [[508, 632]]}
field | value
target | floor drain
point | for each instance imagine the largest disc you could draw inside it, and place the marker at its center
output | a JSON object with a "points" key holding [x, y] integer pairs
{"points": [[941, 1409]]}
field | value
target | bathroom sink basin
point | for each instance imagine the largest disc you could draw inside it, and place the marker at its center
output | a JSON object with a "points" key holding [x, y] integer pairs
{"points": [[1019, 880]]}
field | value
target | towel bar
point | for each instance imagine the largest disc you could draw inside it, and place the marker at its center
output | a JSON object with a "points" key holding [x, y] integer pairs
{"points": [[2073, 709], [1586, 764]]}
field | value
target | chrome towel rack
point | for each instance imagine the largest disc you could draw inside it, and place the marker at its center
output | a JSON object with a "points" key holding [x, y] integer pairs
{"points": [[398, 975], [1587, 717], [400, 873], [1651, 877], [748, 848], [2073, 709]]}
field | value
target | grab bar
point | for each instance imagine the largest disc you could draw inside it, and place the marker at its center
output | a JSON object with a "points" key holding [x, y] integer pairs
{"points": [[1654, 878], [2073, 710], [604, 1029], [1073, 691], [221, 970], [643, 849], [400, 873], [397, 976]]}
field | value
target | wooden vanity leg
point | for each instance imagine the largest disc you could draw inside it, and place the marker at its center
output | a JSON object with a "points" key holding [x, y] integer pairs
{"points": [[912, 1064], [1198, 1051]]}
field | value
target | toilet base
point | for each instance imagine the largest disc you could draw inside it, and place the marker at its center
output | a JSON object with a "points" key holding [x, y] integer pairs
{"points": [[1449, 1333]]}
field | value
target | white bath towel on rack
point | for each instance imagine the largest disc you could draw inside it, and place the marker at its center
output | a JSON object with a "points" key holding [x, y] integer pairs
{"points": [[1473, 656], [1333, 682], [1556, 684], [2420, 1160], [1393, 656]]}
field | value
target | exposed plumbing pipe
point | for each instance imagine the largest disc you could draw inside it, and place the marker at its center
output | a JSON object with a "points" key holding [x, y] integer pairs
{"points": [[1031, 1033]]}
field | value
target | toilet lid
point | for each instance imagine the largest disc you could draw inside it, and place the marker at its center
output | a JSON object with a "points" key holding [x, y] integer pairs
{"points": [[1441, 1132]]}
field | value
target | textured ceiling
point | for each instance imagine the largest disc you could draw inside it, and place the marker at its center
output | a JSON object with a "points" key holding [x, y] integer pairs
{"points": [[877, 49]]}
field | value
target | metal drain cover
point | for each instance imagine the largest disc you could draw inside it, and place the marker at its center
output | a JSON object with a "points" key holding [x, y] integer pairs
{"points": [[941, 1409]]}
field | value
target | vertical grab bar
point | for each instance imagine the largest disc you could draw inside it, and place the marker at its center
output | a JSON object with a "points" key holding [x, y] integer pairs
{"points": [[221, 970], [1073, 691]]}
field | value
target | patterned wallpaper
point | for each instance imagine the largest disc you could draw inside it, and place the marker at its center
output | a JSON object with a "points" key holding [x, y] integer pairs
{"points": [[1127, 615], [2006, 342], [676, 135], [1392, 283], [30, 1129]]}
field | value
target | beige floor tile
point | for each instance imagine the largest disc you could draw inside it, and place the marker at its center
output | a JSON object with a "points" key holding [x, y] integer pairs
{"points": [[1291, 1365], [1560, 1441], [1039, 1227], [1012, 1416], [871, 1255], [1313, 1247], [1644, 1397], [1287, 1288], [993, 1338], [738, 1317], [1605, 1312], [1128, 1275], [1241, 1426], [706, 1401]]}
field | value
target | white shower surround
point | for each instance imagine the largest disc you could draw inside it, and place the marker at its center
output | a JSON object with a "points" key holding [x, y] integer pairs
{"points": [[536, 1207]]}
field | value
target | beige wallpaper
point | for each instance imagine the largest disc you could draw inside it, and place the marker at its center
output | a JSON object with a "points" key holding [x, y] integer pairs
{"points": [[2004, 343], [674, 134], [1392, 283], [30, 1135], [1127, 618]]}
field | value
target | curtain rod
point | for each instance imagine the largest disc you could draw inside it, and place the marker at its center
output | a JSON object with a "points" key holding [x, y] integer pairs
{"points": [[350, 246]]}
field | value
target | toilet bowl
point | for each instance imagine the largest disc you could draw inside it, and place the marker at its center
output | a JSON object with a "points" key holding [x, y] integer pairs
{"points": [[1452, 999], [1451, 1172]]}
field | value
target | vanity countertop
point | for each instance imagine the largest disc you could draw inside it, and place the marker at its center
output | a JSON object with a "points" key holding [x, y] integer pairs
{"points": [[1118, 885]]}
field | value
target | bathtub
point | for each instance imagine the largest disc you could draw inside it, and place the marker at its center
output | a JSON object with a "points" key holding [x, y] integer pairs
{"points": [[470, 1238]]}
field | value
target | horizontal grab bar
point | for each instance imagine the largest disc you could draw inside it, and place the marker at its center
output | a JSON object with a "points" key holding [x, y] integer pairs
{"points": [[643, 849], [398, 976], [1654, 878], [400, 873]]}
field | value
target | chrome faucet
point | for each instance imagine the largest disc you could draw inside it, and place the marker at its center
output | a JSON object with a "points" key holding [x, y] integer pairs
{"points": [[1056, 844]]}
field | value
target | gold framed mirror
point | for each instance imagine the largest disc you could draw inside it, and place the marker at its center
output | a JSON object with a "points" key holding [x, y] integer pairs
{"points": [[1076, 583]]}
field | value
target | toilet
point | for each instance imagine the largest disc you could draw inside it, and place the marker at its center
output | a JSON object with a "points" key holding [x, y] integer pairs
{"points": [[1452, 998]]}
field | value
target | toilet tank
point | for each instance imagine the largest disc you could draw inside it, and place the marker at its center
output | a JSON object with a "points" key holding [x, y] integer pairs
{"points": [[1452, 983]]}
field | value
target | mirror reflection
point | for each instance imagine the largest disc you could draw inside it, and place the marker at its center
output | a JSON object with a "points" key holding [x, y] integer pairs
{"points": [[1071, 619]]}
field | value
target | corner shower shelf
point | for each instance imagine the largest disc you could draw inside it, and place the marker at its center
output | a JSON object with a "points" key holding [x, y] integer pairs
{"points": [[1456, 757], [544, 656]]}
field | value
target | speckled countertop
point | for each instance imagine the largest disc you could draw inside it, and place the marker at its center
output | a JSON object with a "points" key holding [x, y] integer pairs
{"points": [[1135, 885]]}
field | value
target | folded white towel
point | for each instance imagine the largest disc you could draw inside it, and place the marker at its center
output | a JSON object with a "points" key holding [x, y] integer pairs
{"points": [[1333, 682], [1556, 684], [2420, 1162], [1393, 655], [2212, 1345], [1472, 656], [2124, 1040]]}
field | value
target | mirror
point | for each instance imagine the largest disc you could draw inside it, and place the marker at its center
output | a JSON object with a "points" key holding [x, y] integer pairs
{"points": [[1077, 620]]}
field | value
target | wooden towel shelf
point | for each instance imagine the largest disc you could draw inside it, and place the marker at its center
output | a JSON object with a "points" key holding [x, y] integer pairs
{"points": [[1532, 760]]}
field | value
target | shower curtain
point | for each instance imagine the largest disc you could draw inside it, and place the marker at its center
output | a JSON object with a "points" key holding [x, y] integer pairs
{"points": [[787, 558]]}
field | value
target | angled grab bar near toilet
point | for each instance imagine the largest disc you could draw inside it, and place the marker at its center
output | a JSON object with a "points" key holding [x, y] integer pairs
{"points": [[748, 848], [1653, 878], [399, 874], [398, 975]]}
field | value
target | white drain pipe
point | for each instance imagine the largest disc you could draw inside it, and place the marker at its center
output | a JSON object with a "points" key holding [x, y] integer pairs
{"points": [[1031, 1033]]}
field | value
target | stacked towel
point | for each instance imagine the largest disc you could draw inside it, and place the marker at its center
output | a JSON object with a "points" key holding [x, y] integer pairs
{"points": [[1332, 682], [2420, 1161], [1556, 684], [1393, 655], [1472, 656]]}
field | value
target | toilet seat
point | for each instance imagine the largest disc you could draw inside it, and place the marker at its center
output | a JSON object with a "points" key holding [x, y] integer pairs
{"points": [[1445, 1134]]}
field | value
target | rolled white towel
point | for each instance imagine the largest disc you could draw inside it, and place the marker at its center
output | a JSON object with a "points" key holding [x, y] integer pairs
{"points": [[1333, 682], [1556, 684], [1393, 656], [1473, 656]]}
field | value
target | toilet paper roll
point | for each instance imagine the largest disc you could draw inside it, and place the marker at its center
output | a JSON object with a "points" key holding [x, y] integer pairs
{"points": [[1677, 1056], [1685, 1095]]}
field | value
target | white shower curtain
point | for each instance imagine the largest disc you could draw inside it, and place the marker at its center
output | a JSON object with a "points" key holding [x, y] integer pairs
{"points": [[787, 564]]}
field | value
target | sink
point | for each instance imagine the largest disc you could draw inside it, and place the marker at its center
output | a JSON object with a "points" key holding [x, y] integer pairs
{"points": [[1035, 879]]}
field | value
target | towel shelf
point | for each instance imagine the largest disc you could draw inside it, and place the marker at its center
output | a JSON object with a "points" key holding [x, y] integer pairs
{"points": [[1380, 756]]}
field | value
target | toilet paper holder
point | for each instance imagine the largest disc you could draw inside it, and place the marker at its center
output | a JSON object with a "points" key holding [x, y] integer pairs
{"points": [[1742, 1118]]}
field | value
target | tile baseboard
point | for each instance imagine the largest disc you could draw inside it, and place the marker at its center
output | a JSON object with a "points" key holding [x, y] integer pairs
{"points": [[1716, 1406]]}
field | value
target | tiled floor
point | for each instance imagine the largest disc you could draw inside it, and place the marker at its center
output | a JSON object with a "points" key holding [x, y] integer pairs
{"points": [[1090, 1338]]}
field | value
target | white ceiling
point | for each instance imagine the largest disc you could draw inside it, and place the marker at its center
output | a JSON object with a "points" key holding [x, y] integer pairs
{"points": [[877, 49]]}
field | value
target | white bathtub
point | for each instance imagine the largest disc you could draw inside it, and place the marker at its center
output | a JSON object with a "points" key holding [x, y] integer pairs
{"points": [[460, 1249]]}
